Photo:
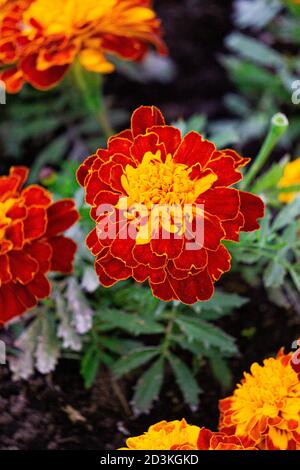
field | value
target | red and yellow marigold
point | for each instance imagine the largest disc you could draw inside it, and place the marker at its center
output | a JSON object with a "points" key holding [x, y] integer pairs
{"points": [[208, 440], [151, 166], [31, 242], [173, 435], [265, 407], [290, 177], [39, 41]]}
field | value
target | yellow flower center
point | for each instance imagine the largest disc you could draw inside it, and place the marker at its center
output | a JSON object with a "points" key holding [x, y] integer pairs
{"points": [[163, 183], [4, 220]]}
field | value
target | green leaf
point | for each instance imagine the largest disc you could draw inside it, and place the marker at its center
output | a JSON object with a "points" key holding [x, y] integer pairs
{"points": [[133, 360], [52, 154], [130, 322], [269, 179], [296, 277], [186, 381], [254, 50], [209, 335], [222, 303], [274, 274], [221, 371], [148, 387], [90, 365], [287, 215]]}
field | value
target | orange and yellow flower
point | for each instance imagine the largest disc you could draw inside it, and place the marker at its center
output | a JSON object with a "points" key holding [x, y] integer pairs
{"points": [[173, 435], [209, 440], [291, 177], [31, 242], [182, 185], [265, 407], [38, 43]]}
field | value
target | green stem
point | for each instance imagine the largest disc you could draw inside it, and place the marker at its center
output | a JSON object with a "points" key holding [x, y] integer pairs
{"points": [[278, 127], [90, 86], [169, 331]]}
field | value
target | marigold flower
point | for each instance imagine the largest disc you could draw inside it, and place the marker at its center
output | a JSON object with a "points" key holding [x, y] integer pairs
{"points": [[209, 440], [178, 183], [265, 407], [38, 43], [31, 242], [173, 435], [291, 177]]}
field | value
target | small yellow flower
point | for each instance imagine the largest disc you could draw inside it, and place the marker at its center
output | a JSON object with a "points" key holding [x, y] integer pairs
{"points": [[266, 406], [173, 435], [291, 177]]}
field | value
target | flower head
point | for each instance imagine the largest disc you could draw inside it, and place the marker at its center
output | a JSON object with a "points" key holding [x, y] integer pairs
{"points": [[209, 440], [31, 242], [265, 407], [163, 206], [173, 435], [38, 44], [291, 177]]}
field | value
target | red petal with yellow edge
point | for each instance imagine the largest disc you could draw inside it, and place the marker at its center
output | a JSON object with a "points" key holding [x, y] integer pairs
{"points": [[27, 299], [127, 134], [213, 232], [145, 117], [106, 197], [15, 233], [23, 268], [105, 280], [163, 291], [61, 216], [193, 149], [94, 186], [225, 169], [39, 287], [233, 227], [204, 438], [119, 145], [83, 170], [146, 143], [171, 248], [18, 211], [115, 268], [41, 251], [144, 255], [21, 172], [42, 80], [122, 248], [35, 223], [188, 258], [175, 272], [93, 243], [36, 196], [5, 274], [221, 202], [238, 160], [169, 136], [193, 288], [218, 262], [252, 209], [10, 305], [141, 273], [63, 252]]}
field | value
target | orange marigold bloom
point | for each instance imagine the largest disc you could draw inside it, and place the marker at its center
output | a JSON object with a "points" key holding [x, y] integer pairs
{"points": [[31, 242], [151, 166], [173, 435], [291, 177], [39, 41], [209, 440], [265, 407]]}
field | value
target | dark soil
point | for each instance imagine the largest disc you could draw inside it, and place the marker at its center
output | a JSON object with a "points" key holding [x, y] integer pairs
{"points": [[33, 415]]}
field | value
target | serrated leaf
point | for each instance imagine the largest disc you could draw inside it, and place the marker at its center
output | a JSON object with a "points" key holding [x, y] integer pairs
{"points": [[186, 381], [133, 360], [148, 387], [296, 277], [222, 303], [209, 335], [254, 50], [221, 371], [133, 323]]}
